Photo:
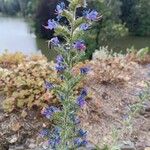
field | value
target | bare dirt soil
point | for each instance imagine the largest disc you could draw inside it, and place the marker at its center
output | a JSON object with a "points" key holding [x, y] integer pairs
{"points": [[102, 117], [105, 115]]}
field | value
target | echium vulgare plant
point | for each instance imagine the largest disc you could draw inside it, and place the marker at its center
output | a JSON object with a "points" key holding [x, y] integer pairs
{"points": [[66, 133]]}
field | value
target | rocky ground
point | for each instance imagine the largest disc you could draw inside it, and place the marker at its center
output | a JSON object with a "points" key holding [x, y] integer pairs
{"points": [[103, 117]]}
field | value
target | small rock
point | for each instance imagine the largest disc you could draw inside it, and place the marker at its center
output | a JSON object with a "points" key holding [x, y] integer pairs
{"points": [[13, 139], [141, 145], [32, 146], [147, 115], [45, 145], [20, 147], [147, 107], [15, 126], [90, 146], [127, 145], [30, 143]]}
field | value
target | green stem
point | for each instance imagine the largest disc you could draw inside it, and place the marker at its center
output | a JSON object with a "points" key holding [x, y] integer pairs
{"points": [[66, 106]]}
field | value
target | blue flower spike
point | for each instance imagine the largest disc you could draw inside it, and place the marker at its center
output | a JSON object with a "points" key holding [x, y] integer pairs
{"points": [[84, 26], [55, 41], [52, 24], [49, 111], [79, 45], [84, 70], [80, 142], [60, 8], [44, 133], [48, 85], [81, 98], [92, 15], [60, 67], [82, 133], [65, 132]]}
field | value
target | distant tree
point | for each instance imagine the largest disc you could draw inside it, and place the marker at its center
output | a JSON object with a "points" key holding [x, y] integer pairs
{"points": [[109, 28], [45, 11], [142, 9], [136, 15], [23, 6], [2, 6], [10, 7], [31, 7]]}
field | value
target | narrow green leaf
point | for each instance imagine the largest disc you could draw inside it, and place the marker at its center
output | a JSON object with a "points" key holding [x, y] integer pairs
{"points": [[68, 15], [78, 22], [63, 31]]}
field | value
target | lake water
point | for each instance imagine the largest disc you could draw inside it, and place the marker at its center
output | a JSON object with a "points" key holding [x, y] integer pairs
{"points": [[127, 42], [16, 35]]}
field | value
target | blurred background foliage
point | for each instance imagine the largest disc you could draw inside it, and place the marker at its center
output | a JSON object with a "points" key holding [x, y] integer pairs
{"points": [[120, 17]]}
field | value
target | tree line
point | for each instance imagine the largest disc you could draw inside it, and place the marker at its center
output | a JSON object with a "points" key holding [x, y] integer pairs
{"points": [[13, 7], [119, 17]]}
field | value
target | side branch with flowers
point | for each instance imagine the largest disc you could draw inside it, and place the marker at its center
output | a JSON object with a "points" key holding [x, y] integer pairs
{"points": [[66, 133]]}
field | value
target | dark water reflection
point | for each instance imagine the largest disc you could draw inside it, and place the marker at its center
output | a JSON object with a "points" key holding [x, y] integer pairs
{"points": [[127, 42], [42, 45]]}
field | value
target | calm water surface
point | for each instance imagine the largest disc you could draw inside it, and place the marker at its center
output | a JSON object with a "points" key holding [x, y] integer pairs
{"points": [[127, 42], [16, 35]]}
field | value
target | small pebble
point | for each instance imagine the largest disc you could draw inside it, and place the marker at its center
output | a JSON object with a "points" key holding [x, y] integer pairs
{"points": [[13, 139], [127, 145]]}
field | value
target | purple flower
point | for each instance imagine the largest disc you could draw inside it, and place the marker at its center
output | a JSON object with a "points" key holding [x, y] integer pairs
{"points": [[79, 45], [54, 142], [60, 67], [80, 101], [82, 133], [84, 143], [48, 85], [52, 24], [79, 142], [83, 92], [55, 41], [84, 26], [84, 70], [49, 111], [60, 7], [81, 98], [44, 133], [54, 137], [91, 15], [75, 119], [59, 59], [60, 63]]}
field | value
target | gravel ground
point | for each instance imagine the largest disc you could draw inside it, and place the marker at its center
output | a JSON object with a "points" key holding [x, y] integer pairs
{"points": [[102, 117]]}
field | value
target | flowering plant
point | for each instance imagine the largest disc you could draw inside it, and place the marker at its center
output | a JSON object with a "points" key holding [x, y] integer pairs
{"points": [[67, 133]]}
